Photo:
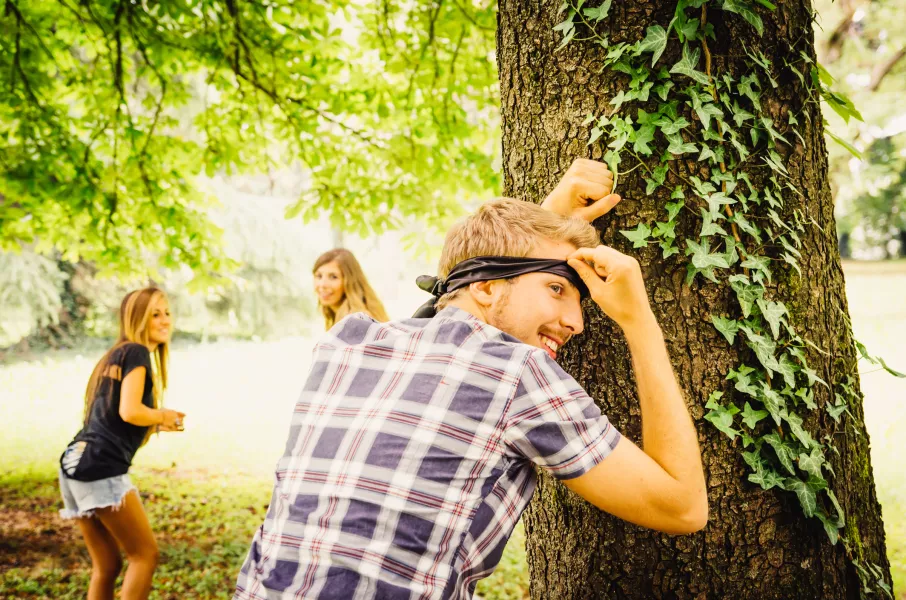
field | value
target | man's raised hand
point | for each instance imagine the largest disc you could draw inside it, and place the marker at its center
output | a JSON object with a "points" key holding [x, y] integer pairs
{"points": [[584, 191], [615, 283]]}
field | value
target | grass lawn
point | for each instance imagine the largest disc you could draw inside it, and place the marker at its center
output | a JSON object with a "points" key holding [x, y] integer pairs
{"points": [[206, 490]]}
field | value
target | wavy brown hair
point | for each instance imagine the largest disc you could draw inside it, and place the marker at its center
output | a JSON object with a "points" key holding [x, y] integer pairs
{"points": [[358, 295], [135, 312]]}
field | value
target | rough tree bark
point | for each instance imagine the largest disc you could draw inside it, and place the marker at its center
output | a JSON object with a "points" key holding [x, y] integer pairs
{"points": [[757, 544]]}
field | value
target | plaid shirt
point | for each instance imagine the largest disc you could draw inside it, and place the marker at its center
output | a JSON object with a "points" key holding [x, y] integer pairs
{"points": [[409, 460]]}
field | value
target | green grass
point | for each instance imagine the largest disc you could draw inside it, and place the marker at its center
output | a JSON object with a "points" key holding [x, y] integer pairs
{"points": [[206, 490], [203, 523]]}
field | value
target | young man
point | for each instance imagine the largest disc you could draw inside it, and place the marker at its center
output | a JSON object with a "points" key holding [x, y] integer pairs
{"points": [[411, 451]]}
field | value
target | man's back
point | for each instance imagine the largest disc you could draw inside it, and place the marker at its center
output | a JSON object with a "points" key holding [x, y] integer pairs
{"points": [[409, 457]]}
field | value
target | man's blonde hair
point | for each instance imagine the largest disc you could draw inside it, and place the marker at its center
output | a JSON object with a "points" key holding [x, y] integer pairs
{"points": [[507, 227]]}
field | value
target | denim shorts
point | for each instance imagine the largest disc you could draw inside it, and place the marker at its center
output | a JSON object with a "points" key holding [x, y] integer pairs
{"points": [[82, 498]]}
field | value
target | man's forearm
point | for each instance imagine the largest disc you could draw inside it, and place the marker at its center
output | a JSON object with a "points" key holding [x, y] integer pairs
{"points": [[668, 434]]}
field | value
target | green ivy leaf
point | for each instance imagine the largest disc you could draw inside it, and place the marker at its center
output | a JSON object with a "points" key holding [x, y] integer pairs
{"points": [[746, 294], [811, 463], [849, 147], [841, 516], [751, 417], [598, 14], [671, 127], [655, 42], [753, 459], [638, 236], [744, 381], [678, 146], [747, 87], [773, 401], [716, 200], [740, 115], [836, 409], [686, 65], [769, 127], [673, 208], [764, 348], [721, 416], [745, 10], [643, 136], [677, 194], [773, 312], [709, 227], [668, 248], [746, 225], [665, 230], [784, 453], [703, 258], [791, 260], [707, 154], [788, 370], [705, 110], [619, 99], [807, 498], [830, 528], [760, 265], [662, 90], [774, 161], [795, 423], [767, 479], [808, 397], [727, 327]]}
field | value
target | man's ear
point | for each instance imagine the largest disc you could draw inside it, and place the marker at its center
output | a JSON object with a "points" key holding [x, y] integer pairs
{"points": [[485, 292]]}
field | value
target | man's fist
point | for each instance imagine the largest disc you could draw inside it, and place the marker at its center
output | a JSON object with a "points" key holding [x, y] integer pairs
{"points": [[583, 192], [615, 283]]}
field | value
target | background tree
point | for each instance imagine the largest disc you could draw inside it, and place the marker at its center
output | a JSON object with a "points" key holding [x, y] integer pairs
{"points": [[110, 109], [709, 112], [863, 45]]}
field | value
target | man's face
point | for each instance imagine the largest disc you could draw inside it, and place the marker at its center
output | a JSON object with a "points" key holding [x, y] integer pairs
{"points": [[540, 309]]}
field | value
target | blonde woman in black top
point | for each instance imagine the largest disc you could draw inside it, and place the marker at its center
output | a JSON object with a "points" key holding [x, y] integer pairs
{"points": [[122, 409]]}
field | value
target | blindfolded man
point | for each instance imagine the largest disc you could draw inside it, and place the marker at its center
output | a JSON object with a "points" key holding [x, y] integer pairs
{"points": [[412, 449]]}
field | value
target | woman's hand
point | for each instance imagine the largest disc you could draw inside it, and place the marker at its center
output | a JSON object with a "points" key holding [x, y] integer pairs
{"points": [[172, 420]]}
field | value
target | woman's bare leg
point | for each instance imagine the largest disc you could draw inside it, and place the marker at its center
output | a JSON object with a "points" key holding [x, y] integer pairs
{"points": [[106, 562], [129, 525]]}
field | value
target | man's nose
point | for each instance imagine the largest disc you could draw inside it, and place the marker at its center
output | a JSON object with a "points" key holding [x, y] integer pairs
{"points": [[572, 319]]}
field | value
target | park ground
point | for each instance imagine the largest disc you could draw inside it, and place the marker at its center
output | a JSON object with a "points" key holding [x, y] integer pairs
{"points": [[207, 490]]}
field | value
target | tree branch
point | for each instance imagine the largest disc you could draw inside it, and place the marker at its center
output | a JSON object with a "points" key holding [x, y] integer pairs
{"points": [[883, 69]]}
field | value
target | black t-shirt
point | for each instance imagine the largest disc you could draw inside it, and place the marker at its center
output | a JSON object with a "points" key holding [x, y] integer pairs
{"points": [[106, 444]]}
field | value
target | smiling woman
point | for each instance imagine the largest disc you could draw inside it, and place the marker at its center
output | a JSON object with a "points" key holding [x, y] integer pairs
{"points": [[343, 289], [122, 408]]}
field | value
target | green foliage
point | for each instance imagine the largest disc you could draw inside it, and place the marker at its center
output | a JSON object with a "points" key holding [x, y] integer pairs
{"points": [[743, 238], [109, 112], [30, 290]]}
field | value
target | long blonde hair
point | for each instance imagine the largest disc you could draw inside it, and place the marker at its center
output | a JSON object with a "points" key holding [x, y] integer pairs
{"points": [[358, 295], [135, 312]]}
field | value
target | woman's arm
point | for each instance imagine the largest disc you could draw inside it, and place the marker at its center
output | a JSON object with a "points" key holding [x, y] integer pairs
{"points": [[133, 411]]}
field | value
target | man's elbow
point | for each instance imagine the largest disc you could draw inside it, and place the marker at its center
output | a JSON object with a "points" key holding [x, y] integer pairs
{"points": [[694, 518]]}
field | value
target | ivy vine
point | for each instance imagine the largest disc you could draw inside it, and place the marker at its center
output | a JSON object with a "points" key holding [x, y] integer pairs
{"points": [[718, 120]]}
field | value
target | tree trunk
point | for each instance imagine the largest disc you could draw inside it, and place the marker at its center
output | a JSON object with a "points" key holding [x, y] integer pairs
{"points": [[757, 544]]}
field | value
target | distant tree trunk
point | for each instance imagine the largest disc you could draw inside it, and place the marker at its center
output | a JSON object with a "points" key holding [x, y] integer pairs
{"points": [[902, 239], [757, 544], [845, 249]]}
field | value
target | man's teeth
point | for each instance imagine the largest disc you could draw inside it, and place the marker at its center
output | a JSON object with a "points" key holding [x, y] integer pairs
{"points": [[550, 343]]}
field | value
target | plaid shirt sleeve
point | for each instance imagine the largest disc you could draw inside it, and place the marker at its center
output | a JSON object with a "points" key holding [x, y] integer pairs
{"points": [[554, 423]]}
